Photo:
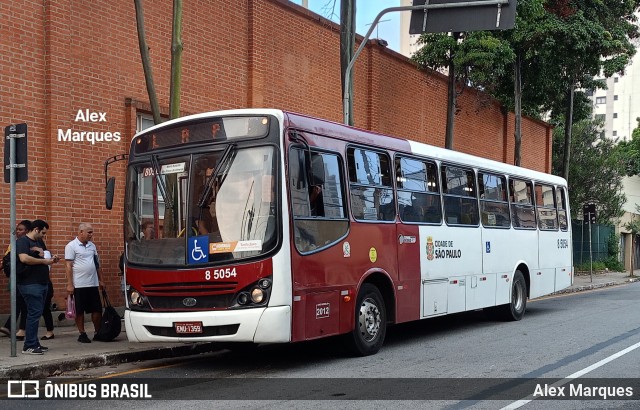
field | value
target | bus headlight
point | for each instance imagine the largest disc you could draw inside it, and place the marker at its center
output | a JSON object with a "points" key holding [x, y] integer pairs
{"points": [[135, 298], [253, 295], [243, 298], [257, 295]]}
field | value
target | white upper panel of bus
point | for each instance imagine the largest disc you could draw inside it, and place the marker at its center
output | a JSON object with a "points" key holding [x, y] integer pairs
{"points": [[446, 155]]}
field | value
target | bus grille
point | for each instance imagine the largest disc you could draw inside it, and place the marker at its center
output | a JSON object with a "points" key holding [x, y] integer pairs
{"points": [[201, 302], [206, 331], [188, 288]]}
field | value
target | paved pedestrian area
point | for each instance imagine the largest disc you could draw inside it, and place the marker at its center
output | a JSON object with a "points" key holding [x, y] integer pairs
{"points": [[67, 354]]}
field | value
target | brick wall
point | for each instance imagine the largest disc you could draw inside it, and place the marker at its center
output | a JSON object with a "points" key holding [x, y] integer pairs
{"points": [[64, 56]]}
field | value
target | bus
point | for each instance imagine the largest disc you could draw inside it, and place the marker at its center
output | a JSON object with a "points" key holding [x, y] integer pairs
{"points": [[266, 226]]}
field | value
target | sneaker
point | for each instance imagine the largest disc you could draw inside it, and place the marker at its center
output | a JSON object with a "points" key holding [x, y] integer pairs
{"points": [[83, 338], [33, 350], [44, 349]]}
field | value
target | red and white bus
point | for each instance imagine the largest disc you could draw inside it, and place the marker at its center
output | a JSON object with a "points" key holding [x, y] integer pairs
{"points": [[264, 226]]}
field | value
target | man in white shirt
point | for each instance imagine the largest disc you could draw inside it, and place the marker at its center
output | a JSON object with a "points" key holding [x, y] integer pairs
{"points": [[83, 278]]}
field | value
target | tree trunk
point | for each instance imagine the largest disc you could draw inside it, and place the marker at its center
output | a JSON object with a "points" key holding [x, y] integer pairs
{"points": [[176, 60], [347, 42], [568, 125], [517, 95], [451, 98], [146, 63], [170, 215]]}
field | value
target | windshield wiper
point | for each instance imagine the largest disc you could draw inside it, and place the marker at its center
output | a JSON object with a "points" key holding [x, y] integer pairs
{"points": [[161, 185], [221, 170]]}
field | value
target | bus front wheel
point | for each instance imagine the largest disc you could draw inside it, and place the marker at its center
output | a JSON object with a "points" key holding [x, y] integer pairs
{"points": [[515, 309], [370, 322]]}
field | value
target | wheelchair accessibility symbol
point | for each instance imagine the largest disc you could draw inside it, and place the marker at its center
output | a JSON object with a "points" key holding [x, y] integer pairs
{"points": [[198, 249]]}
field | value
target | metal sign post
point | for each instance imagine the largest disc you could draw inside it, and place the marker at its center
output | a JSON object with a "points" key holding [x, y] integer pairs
{"points": [[589, 215], [500, 22], [13, 133]]}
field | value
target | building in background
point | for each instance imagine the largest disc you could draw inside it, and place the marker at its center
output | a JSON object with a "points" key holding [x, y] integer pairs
{"points": [[408, 42], [618, 107]]}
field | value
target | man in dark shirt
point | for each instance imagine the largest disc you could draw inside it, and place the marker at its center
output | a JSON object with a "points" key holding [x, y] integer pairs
{"points": [[32, 274]]}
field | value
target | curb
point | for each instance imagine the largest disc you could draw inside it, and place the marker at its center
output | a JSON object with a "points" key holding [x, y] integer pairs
{"points": [[586, 287], [57, 367], [595, 286]]}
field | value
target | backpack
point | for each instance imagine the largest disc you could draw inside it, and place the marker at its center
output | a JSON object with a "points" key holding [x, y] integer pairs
{"points": [[110, 326], [6, 264]]}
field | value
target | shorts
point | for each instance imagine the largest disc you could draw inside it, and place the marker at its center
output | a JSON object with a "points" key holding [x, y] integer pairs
{"points": [[87, 300]]}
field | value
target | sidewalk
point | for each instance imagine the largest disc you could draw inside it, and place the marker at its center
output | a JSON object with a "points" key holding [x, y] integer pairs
{"points": [[66, 354]]}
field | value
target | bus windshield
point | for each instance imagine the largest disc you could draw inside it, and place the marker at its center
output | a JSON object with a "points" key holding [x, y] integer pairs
{"points": [[222, 203]]}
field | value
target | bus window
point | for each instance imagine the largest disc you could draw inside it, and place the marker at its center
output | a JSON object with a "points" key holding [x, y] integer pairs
{"points": [[459, 193], [561, 201], [317, 199], [152, 185], [418, 193], [494, 207], [370, 184], [522, 209], [236, 204], [545, 203]]}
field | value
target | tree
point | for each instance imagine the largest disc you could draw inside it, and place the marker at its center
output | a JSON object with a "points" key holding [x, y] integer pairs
{"points": [[592, 151], [630, 152], [470, 58], [525, 88], [591, 38], [171, 200]]}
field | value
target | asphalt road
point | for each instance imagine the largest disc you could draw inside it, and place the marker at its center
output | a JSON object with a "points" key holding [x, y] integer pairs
{"points": [[460, 361]]}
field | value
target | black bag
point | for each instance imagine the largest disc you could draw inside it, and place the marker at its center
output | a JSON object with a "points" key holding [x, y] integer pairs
{"points": [[6, 264], [110, 326]]}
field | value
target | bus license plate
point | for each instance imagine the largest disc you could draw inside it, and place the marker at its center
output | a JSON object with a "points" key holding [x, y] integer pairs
{"points": [[188, 327]]}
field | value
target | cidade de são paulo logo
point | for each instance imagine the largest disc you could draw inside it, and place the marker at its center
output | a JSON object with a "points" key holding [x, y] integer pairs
{"points": [[84, 117]]}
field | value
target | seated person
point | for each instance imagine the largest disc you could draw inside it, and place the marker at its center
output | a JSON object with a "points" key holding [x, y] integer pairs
{"points": [[147, 230], [316, 202], [316, 181]]}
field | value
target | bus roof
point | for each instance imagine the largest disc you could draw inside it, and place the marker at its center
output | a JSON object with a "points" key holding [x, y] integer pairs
{"points": [[360, 136]]}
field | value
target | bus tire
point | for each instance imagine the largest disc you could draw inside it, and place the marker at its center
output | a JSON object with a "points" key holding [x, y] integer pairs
{"points": [[370, 322], [514, 310]]}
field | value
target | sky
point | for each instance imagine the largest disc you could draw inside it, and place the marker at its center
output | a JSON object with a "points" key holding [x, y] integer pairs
{"points": [[366, 11]]}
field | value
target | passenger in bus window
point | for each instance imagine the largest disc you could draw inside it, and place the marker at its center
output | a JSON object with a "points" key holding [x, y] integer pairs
{"points": [[147, 231], [316, 203], [316, 182]]}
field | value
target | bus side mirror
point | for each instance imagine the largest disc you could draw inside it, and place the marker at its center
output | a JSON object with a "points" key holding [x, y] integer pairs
{"points": [[111, 186]]}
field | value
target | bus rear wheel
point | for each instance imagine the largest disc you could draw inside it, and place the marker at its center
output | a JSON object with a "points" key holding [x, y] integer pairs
{"points": [[514, 310], [370, 322]]}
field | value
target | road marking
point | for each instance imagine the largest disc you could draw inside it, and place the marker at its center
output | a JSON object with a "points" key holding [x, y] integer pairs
{"points": [[580, 373]]}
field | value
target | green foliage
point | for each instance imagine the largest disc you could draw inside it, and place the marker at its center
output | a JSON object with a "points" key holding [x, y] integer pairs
{"points": [[586, 266], [611, 263], [595, 173], [629, 152], [560, 43], [478, 56]]}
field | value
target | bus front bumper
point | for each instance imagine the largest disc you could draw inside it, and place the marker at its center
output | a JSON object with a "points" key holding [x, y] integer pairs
{"points": [[260, 325]]}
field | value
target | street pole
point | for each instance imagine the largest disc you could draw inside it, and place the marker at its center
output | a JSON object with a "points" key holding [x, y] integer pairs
{"points": [[590, 251], [347, 75], [12, 222]]}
